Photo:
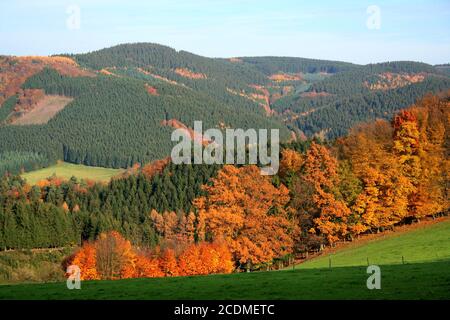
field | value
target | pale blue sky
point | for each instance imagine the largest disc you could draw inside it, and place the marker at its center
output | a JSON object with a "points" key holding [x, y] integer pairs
{"points": [[409, 30]]}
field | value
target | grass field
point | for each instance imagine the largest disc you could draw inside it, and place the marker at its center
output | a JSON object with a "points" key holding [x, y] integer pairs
{"points": [[67, 170], [427, 279], [430, 243], [409, 281]]}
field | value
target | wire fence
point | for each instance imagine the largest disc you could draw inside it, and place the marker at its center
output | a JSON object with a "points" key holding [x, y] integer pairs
{"points": [[332, 262]]}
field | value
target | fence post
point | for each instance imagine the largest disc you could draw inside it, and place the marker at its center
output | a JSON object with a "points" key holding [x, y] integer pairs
{"points": [[368, 263], [403, 260], [329, 263]]}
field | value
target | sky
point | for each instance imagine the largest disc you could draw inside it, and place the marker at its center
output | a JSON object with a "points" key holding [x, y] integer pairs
{"points": [[356, 31]]}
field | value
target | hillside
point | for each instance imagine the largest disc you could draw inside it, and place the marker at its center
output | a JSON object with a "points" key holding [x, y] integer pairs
{"points": [[425, 244], [134, 88], [425, 276]]}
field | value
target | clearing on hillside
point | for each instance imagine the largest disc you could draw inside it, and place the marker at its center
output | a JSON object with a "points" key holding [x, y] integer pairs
{"points": [[45, 109], [67, 170]]}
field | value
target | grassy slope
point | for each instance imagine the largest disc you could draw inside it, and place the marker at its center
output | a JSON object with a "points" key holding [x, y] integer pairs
{"points": [[410, 281], [67, 170], [431, 243], [427, 280]]}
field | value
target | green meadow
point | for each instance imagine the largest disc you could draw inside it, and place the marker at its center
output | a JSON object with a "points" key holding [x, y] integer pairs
{"points": [[67, 170], [424, 274]]}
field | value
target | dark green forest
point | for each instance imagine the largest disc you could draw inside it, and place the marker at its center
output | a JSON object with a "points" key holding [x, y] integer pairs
{"points": [[7, 108], [71, 212], [271, 65], [339, 114], [114, 122]]}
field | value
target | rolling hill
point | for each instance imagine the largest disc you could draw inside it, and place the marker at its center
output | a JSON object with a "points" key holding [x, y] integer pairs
{"points": [[118, 100]]}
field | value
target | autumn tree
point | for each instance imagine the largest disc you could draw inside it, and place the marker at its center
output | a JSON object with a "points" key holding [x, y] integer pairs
{"points": [[172, 227], [320, 171], [191, 262], [244, 209], [166, 224], [147, 267], [169, 263], [431, 117], [407, 145], [112, 257], [86, 259], [155, 167], [206, 258], [186, 229], [383, 201], [116, 258], [290, 165]]}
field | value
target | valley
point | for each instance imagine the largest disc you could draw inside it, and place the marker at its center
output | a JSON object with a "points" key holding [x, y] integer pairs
{"points": [[87, 178]]}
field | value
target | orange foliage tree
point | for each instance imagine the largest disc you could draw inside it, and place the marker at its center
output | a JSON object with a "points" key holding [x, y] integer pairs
{"points": [[320, 171], [205, 258], [172, 227], [431, 117], [247, 211], [155, 167], [169, 263], [384, 199], [113, 257], [403, 166], [290, 165], [116, 258], [86, 260], [147, 267]]}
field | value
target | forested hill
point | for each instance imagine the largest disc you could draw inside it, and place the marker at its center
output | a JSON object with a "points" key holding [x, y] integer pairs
{"points": [[273, 65], [110, 107], [310, 96], [232, 71], [165, 60]]}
